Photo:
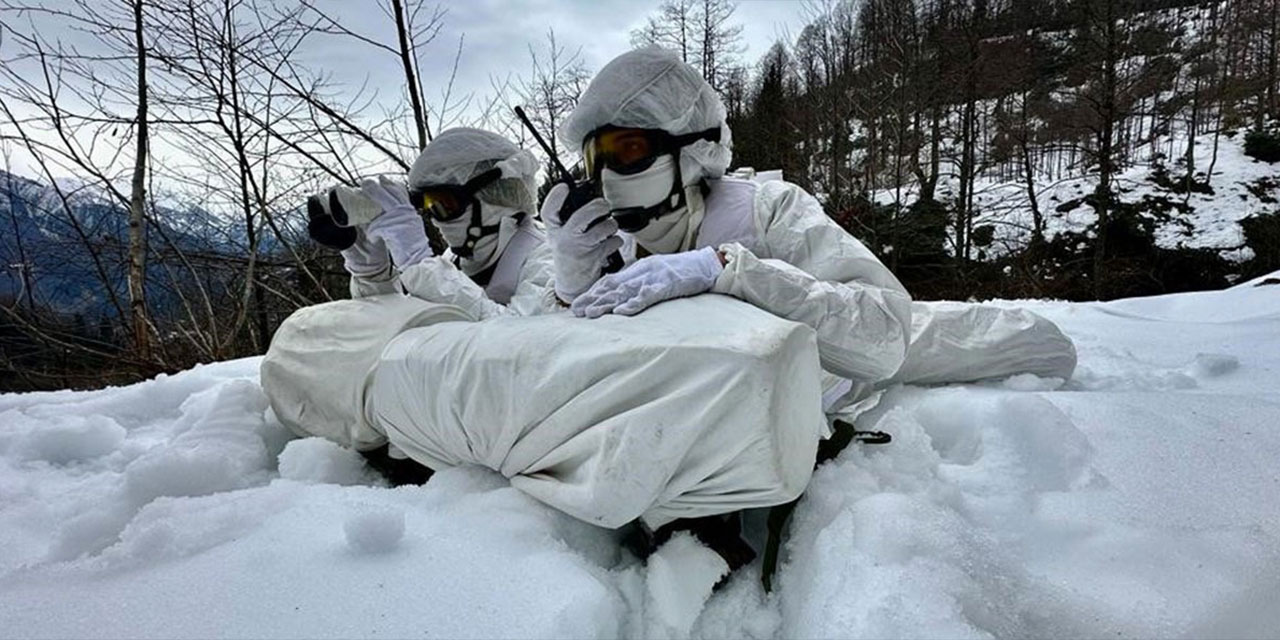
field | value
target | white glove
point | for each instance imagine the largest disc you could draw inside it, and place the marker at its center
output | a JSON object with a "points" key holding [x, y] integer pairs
{"points": [[362, 256], [649, 281], [579, 253], [398, 224], [367, 257]]}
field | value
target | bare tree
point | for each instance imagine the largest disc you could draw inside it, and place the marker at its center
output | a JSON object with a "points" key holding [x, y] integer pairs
{"points": [[719, 41], [215, 248], [701, 31], [1103, 43], [110, 77], [409, 62], [550, 92], [137, 201], [672, 27], [414, 29]]}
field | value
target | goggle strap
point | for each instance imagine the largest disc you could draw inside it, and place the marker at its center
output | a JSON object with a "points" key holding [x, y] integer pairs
{"points": [[472, 186], [712, 134], [480, 230], [483, 180]]}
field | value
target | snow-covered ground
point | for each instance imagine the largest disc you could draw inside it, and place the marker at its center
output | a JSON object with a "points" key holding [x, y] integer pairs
{"points": [[1213, 221], [1140, 499]]}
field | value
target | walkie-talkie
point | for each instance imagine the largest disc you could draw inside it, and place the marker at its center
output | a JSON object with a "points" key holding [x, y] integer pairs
{"points": [[580, 193]]}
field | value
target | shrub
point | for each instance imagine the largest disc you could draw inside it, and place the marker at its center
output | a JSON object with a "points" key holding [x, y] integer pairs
{"points": [[1263, 145], [1262, 235]]}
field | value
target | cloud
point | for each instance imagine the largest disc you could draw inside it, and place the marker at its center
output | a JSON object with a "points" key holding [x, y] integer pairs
{"points": [[498, 33]]}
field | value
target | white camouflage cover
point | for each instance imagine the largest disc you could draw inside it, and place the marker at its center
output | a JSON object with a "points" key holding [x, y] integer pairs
{"points": [[317, 370], [696, 407]]}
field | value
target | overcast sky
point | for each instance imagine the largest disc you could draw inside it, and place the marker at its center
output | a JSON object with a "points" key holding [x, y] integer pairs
{"points": [[496, 37], [498, 33]]}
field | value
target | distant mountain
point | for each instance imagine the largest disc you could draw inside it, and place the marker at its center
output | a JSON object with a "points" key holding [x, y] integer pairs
{"points": [[58, 255]]}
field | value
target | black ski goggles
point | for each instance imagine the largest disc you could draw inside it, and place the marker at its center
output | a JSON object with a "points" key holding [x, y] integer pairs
{"points": [[448, 202], [629, 151]]}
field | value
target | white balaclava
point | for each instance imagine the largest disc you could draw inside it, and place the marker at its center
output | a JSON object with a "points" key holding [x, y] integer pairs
{"points": [[668, 233], [457, 155], [489, 246], [651, 88]]}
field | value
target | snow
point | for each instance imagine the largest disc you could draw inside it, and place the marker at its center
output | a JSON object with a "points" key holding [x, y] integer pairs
{"points": [[1140, 498], [376, 531], [320, 461], [1212, 222], [679, 578]]}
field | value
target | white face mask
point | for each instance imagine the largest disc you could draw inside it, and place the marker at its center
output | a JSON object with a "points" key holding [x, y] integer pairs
{"points": [[665, 234], [488, 248], [644, 189]]}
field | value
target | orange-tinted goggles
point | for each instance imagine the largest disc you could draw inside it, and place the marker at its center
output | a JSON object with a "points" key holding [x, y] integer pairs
{"points": [[630, 151], [447, 202]]}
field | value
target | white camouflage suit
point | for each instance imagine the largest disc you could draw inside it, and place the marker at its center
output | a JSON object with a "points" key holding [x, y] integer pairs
{"points": [[783, 254], [520, 282], [650, 428], [319, 370]]}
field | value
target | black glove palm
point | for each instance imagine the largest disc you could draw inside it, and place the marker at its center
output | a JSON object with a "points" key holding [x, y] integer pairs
{"points": [[322, 228]]}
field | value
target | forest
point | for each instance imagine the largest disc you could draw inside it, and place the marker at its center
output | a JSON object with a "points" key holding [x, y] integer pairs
{"points": [[1068, 149]]}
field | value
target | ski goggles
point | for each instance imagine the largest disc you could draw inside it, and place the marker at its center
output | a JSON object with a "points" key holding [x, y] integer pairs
{"points": [[448, 202], [629, 150]]}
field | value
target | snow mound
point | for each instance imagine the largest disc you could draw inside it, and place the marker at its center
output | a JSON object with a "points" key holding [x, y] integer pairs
{"points": [[921, 538], [72, 439], [1136, 499], [216, 447], [320, 461], [679, 580], [1212, 365], [377, 531]]}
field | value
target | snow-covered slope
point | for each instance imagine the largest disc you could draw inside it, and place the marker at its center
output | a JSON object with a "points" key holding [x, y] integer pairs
{"points": [[1211, 220], [1140, 499]]}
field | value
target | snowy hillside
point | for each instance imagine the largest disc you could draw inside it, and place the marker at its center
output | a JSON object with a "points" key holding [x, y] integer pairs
{"points": [[1241, 187], [1141, 499]]}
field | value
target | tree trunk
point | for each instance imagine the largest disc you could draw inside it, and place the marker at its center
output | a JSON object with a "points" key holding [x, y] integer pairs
{"points": [[1220, 98], [137, 200], [963, 212], [1106, 134], [250, 298], [420, 123], [410, 74], [1028, 169], [1273, 106], [935, 152], [1192, 126]]}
